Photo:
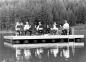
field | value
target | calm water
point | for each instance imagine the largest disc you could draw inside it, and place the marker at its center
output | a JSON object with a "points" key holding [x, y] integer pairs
{"points": [[7, 53]]}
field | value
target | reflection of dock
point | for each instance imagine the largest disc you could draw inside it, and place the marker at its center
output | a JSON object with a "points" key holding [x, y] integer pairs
{"points": [[15, 42], [45, 45]]}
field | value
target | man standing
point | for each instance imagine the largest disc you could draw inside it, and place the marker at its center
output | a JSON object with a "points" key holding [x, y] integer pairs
{"points": [[66, 28]]}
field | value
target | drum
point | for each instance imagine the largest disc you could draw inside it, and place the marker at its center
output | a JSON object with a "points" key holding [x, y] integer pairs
{"points": [[48, 30], [54, 32], [40, 32], [64, 32]]}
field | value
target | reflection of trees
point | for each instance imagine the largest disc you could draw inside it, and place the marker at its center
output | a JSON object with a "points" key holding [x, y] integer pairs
{"points": [[46, 11], [8, 60]]}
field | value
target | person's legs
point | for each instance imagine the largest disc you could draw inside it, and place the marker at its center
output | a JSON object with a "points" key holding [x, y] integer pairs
{"points": [[20, 32], [54, 32], [64, 32], [67, 31], [48, 30], [17, 32], [25, 32], [30, 32], [40, 32]]}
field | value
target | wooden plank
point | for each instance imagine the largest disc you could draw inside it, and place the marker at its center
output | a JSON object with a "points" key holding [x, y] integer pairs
{"points": [[44, 37]]}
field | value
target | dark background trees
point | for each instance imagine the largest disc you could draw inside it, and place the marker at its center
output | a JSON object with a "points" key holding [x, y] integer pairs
{"points": [[46, 11]]}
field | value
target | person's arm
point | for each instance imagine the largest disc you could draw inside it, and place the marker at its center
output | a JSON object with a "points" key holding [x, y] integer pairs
{"points": [[37, 27], [15, 27], [63, 27], [68, 26], [24, 27], [29, 26]]}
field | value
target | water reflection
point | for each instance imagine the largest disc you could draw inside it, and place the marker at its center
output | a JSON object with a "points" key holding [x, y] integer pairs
{"points": [[8, 55]]}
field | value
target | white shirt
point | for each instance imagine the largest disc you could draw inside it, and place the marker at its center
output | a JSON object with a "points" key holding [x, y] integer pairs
{"points": [[66, 26], [54, 27], [38, 28], [27, 27], [16, 27]]}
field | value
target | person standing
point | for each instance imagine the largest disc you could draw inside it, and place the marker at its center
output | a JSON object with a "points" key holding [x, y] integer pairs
{"points": [[66, 28]]}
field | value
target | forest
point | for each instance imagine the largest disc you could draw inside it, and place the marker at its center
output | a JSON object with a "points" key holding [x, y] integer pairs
{"points": [[46, 11]]}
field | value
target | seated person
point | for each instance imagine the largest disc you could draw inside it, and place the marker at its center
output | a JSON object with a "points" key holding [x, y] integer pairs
{"points": [[66, 28], [48, 29], [55, 29], [21, 28], [35, 30], [39, 28], [60, 30], [27, 27], [17, 28]]}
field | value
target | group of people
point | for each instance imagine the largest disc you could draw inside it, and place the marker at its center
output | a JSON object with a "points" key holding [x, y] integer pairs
{"points": [[20, 28]]}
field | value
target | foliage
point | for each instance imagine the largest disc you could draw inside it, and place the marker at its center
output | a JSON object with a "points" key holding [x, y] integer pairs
{"points": [[46, 11]]}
